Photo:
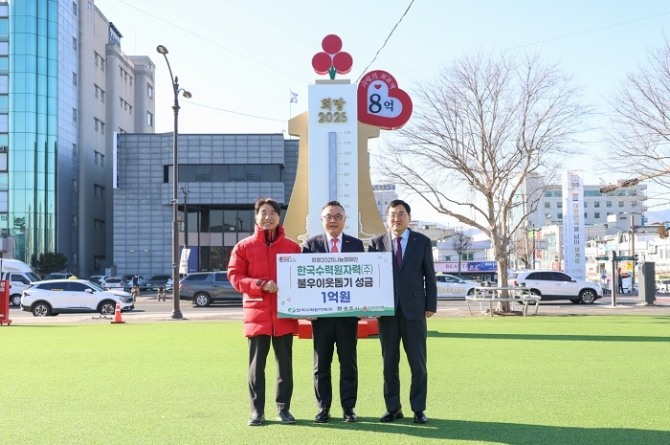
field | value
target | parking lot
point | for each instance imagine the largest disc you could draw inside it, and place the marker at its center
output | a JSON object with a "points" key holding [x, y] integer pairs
{"points": [[149, 309]]}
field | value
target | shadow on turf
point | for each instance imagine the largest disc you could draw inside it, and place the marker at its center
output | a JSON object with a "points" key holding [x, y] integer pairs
{"points": [[496, 432], [598, 338]]}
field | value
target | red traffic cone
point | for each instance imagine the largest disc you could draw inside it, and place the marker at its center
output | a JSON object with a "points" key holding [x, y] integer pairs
{"points": [[117, 314]]}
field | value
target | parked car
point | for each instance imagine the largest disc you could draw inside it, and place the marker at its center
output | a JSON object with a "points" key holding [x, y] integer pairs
{"points": [[453, 286], [18, 282], [53, 297], [554, 285], [115, 283], [511, 276], [142, 283], [663, 285], [58, 276], [204, 288], [97, 279], [156, 281]]}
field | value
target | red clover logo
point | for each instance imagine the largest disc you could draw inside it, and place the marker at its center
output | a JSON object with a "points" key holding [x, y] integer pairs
{"points": [[331, 60]]}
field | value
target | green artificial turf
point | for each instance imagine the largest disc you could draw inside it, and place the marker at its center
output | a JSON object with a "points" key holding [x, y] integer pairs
{"points": [[533, 380]]}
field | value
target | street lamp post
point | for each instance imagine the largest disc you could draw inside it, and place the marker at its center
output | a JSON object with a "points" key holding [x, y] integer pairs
{"points": [[176, 311], [185, 192]]}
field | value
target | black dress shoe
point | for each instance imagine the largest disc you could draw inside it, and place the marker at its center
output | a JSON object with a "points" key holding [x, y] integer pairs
{"points": [[285, 417], [350, 415], [390, 416], [420, 417], [323, 416], [256, 419]]}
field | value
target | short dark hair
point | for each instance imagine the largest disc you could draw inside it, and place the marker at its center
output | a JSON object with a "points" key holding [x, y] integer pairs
{"points": [[333, 204], [399, 202], [262, 201]]}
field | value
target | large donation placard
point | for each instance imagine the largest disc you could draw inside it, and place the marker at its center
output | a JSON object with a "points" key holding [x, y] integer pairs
{"points": [[354, 284]]}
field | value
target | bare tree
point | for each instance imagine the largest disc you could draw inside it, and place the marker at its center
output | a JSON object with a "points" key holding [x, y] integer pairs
{"points": [[461, 243], [479, 130], [640, 134]]}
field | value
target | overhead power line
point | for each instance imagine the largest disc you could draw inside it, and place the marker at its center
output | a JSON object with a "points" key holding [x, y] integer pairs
{"points": [[387, 39]]}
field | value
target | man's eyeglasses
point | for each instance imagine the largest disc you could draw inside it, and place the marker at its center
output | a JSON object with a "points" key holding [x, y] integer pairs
{"points": [[338, 217]]}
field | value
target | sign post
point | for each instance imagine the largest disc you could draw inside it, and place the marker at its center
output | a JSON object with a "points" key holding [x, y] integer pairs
{"points": [[4, 303]]}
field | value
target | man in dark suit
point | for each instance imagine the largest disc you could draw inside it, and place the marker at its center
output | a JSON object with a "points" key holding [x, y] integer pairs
{"points": [[330, 331], [415, 297]]}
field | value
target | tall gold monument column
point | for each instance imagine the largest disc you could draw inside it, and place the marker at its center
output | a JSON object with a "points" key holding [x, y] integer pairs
{"points": [[333, 159]]}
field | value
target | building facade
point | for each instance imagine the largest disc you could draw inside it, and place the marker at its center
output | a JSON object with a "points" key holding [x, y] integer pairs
{"points": [[384, 194], [65, 88], [220, 177], [537, 241], [598, 206]]}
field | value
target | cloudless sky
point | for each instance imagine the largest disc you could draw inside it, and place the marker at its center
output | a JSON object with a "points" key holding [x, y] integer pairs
{"points": [[241, 58]]}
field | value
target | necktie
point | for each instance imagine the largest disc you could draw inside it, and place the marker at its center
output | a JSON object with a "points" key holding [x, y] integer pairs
{"points": [[334, 248], [398, 251]]}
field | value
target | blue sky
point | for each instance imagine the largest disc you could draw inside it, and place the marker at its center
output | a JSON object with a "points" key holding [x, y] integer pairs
{"points": [[241, 58]]}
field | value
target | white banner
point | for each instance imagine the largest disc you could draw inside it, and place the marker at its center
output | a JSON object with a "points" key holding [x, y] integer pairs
{"points": [[183, 261], [347, 284], [574, 239]]}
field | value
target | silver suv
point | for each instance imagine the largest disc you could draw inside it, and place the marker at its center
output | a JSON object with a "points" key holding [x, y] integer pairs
{"points": [[206, 287], [554, 285]]}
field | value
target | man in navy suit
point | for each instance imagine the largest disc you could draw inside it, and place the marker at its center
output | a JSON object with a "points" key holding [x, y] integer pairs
{"points": [[330, 331], [415, 298]]}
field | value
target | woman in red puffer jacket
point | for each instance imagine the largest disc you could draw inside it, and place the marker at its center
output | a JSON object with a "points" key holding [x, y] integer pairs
{"points": [[253, 272]]}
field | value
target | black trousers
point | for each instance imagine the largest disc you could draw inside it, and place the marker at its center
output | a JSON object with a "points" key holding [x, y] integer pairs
{"points": [[327, 334], [259, 347], [413, 334]]}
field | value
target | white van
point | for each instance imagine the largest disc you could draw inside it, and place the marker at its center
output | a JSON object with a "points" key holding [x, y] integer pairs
{"points": [[19, 275]]}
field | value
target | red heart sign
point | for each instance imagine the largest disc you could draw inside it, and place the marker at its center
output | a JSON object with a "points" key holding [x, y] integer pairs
{"points": [[381, 103]]}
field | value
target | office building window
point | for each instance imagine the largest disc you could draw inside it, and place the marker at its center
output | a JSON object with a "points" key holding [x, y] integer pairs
{"points": [[99, 125], [150, 119], [150, 91]]}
